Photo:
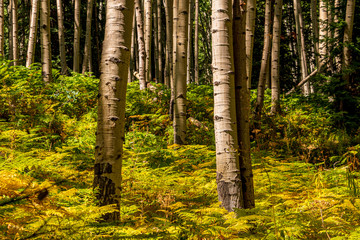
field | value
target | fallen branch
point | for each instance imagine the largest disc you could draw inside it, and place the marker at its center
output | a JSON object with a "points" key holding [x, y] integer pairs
{"points": [[302, 82]]}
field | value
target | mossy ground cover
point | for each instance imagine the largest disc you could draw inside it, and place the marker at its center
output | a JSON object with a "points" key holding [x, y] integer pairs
{"points": [[306, 186]]}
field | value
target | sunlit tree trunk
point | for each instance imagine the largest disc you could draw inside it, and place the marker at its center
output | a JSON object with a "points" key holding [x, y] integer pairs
{"points": [[111, 107], [60, 17], [142, 52], [189, 44], [76, 57], [242, 94], [196, 43], [250, 33], [180, 73], [228, 175], [315, 29], [173, 65], [169, 26], [275, 58], [45, 40], [148, 37], [323, 33], [264, 61], [160, 42], [87, 50], [349, 19], [2, 36], [132, 67], [33, 32], [14, 32]]}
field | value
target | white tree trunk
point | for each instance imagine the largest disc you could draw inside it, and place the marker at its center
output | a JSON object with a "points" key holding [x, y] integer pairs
{"points": [[77, 28], [60, 15], [33, 32], [87, 50], [45, 40], [349, 19], [250, 33]]}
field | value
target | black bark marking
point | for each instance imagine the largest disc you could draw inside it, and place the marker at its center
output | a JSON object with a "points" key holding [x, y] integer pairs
{"points": [[108, 168], [218, 118], [115, 60], [113, 118], [97, 169]]}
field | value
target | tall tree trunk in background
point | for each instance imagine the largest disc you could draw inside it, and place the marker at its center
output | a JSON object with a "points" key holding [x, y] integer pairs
{"points": [[148, 35], [155, 42], [180, 73], [173, 65], [60, 17], [132, 66], [337, 62], [196, 43], [33, 32], [315, 29], [264, 61], [349, 19], [169, 26], [323, 33], [300, 39], [189, 44], [45, 40], [76, 57], [142, 52], [14, 31], [228, 176], [242, 95], [250, 32], [275, 58], [87, 50], [112, 97], [2, 36], [10, 32], [160, 42]]}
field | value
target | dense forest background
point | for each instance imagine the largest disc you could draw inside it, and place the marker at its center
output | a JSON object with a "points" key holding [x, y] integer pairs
{"points": [[296, 103]]}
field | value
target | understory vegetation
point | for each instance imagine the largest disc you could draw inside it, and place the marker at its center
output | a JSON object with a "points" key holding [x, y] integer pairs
{"points": [[305, 166]]}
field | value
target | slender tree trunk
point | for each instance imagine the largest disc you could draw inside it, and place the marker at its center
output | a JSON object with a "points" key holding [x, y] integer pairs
{"points": [[173, 65], [155, 42], [189, 44], [323, 34], [2, 36], [349, 19], [60, 16], [45, 40], [337, 62], [242, 94], [315, 29], [275, 58], [250, 32], [264, 61], [196, 43], [87, 50], [76, 58], [169, 26], [112, 97], [160, 42], [132, 65], [33, 32], [14, 31], [148, 35], [180, 73], [11, 57], [142, 52], [228, 176]]}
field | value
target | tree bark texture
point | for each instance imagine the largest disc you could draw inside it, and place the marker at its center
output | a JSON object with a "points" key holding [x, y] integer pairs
{"points": [[348, 32], [160, 42], [141, 43], [148, 38], [77, 29], [87, 49], [275, 58], [242, 94], [45, 40], [14, 32], [2, 36], [60, 17], [250, 33], [189, 43], [111, 107], [323, 33], [180, 73], [196, 43], [315, 29], [169, 26], [228, 177], [33, 32]]}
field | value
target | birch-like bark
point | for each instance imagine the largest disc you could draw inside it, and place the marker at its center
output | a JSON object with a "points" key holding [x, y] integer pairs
{"points": [[76, 57], [228, 175], [196, 43], [148, 34], [45, 40], [33, 32], [250, 32], [323, 33], [180, 73], [275, 58], [264, 61], [155, 42], [189, 44], [14, 32], [348, 32], [173, 65], [160, 42], [132, 66], [169, 26], [315, 29], [142, 52], [242, 94], [111, 107], [2, 27], [60, 17], [10, 32], [87, 49]]}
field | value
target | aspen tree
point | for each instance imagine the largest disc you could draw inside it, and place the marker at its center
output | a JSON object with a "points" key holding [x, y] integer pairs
{"points": [[33, 32], [323, 33], [14, 32], [60, 17], [250, 32], [76, 57], [196, 43], [168, 56], [160, 40], [180, 73], [242, 94], [148, 38], [111, 104], [349, 19], [142, 52], [189, 44], [45, 40], [315, 29], [155, 42], [228, 175], [2, 36], [87, 51], [275, 58], [174, 49]]}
